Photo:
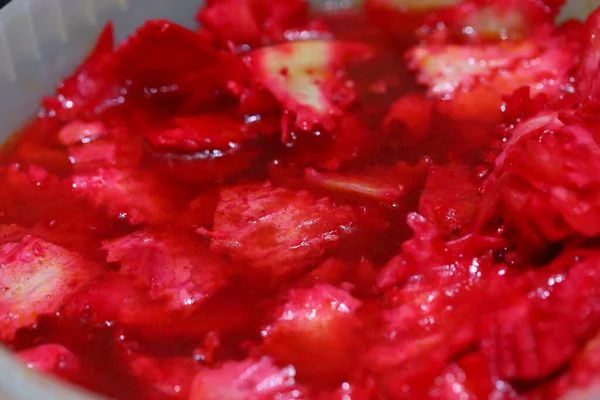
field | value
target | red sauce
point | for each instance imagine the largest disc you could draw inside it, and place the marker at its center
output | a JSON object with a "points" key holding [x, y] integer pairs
{"points": [[402, 207]]}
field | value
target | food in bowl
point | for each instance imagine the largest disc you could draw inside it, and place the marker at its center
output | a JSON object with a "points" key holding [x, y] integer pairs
{"points": [[397, 202]]}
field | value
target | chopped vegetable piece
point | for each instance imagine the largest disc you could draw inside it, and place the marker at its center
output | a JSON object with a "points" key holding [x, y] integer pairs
{"points": [[535, 325], [545, 183], [427, 252], [81, 132], [413, 112], [246, 380], [101, 303], [322, 317], [413, 5], [94, 155], [383, 184], [429, 316], [199, 133], [306, 77], [470, 377], [52, 358], [37, 278], [164, 378], [449, 199], [400, 19], [242, 23], [485, 20], [153, 61], [589, 67], [583, 374], [277, 231], [446, 69], [132, 195], [174, 268], [363, 186]]}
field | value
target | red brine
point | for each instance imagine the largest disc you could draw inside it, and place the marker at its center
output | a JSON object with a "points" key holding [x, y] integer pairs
{"points": [[395, 202]]}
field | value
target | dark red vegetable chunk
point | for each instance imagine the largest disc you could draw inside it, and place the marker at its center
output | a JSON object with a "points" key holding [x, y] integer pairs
{"points": [[151, 65]]}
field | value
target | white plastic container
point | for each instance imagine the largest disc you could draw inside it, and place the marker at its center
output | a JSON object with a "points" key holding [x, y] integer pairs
{"points": [[41, 42]]}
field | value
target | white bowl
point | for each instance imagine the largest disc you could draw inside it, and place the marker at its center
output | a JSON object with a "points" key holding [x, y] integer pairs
{"points": [[41, 42]]}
